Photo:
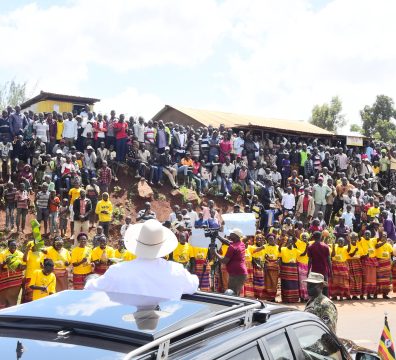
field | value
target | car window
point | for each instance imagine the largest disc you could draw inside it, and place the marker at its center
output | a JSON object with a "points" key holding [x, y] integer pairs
{"points": [[278, 346], [317, 344], [251, 353]]}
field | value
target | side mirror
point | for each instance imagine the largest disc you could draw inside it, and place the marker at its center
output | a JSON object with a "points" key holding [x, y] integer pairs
{"points": [[361, 355]]}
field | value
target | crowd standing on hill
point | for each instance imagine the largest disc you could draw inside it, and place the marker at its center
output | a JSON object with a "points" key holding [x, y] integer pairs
{"points": [[318, 206]]}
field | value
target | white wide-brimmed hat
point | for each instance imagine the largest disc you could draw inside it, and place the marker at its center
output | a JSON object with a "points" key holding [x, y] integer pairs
{"points": [[237, 232], [150, 240], [315, 278]]}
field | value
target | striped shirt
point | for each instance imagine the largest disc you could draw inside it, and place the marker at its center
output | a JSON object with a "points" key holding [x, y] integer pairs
{"points": [[42, 199], [22, 199], [9, 196]]}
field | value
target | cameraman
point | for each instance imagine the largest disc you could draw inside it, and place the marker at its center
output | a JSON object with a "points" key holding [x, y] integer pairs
{"points": [[234, 260]]}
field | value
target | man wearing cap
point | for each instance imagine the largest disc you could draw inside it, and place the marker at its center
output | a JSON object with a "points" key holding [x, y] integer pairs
{"points": [[319, 304], [149, 274], [234, 259]]}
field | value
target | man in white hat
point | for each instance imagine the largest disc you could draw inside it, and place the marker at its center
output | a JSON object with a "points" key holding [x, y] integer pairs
{"points": [[150, 274], [319, 304]]}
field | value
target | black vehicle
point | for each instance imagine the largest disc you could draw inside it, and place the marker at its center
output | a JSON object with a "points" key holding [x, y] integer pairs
{"points": [[74, 325]]}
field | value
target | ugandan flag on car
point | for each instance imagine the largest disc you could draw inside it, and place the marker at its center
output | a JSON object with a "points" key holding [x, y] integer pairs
{"points": [[386, 348]]}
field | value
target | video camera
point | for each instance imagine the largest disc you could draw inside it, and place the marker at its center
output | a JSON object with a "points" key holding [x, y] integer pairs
{"points": [[212, 234]]}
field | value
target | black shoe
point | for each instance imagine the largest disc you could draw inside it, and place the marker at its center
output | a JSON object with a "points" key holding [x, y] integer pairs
{"points": [[355, 298], [385, 296], [362, 297]]}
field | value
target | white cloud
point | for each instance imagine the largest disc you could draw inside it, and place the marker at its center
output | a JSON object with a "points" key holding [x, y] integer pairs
{"points": [[131, 103], [56, 45], [297, 57]]}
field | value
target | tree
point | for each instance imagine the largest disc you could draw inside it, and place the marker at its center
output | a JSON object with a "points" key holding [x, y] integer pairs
{"points": [[377, 119], [328, 116], [12, 93], [356, 128]]}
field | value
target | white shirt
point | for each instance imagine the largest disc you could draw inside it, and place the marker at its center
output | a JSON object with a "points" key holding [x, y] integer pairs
{"points": [[288, 201], [138, 129], [70, 129], [5, 149], [157, 278], [41, 130], [238, 145], [193, 217], [123, 230]]}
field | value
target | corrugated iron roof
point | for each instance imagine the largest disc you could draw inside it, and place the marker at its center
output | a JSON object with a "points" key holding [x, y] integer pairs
{"points": [[215, 118], [53, 96]]}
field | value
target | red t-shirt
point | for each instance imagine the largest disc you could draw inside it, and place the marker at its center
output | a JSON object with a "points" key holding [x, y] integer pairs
{"points": [[236, 254], [319, 252], [121, 132]]}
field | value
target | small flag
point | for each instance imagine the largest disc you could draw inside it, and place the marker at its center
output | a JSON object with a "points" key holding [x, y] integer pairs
{"points": [[386, 348]]}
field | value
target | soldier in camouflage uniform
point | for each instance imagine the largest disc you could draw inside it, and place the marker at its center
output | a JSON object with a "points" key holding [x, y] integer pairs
{"points": [[319, 304]]}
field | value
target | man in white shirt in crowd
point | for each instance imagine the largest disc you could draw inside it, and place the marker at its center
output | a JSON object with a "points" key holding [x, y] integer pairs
{"points": [[227, 171], [41, 129], [5, 157], [138, 129], [193, 216], [238, 144], [288, 201], [69, 130]]}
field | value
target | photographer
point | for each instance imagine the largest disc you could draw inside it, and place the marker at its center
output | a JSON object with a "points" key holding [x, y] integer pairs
{"points": [[234, 259]]}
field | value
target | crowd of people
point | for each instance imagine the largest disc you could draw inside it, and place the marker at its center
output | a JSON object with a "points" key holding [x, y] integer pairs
{"points": [[318, 206]]}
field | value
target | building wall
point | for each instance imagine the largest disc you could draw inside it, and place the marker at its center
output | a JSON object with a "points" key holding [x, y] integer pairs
{"points": [[51, 105], [172, 115]]}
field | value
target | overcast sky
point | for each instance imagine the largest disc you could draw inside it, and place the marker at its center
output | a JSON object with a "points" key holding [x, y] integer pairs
{"points": [[275, 58]]}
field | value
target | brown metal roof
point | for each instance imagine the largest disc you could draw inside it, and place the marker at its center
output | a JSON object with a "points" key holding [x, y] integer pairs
{"points": [[60, 97], [215, 118]]}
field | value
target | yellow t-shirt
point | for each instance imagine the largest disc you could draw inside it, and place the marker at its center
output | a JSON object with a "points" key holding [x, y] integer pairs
{"points": [[358, 253], [260, 255], [341, 253], [102, 254], [200, 253], [33, 263], [368, 246], [125, 255], [17, 254], [74, 194], [289, 255], [302, 246], [183, 253], [373, 212], [384, 252], [59, 129], [59, 258], [272, 251], [224, 249], [248, 253], [39, 279], [104, 206], [79, 253]]}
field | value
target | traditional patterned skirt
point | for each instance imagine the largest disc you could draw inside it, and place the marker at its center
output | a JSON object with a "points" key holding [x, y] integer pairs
{"points": [[339, 283], [27, 291], [62, 279], [384, 270], [79, 281], [302, 285], [10, 285], [258, 281], [355, 277], [369, 266], [289, 282], [221, 278], [248, 290], [101, 269], [271, 276], [202, 270]]}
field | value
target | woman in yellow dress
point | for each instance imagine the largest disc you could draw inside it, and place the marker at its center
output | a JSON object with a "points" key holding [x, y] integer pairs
{"points": [[258, 258], [33, 257], [248, 289], [302, 265], [11, 275], [355, 267], [369, 264], [202, 267], [383, 253], [271, 269], [101, 256], [289, 271], [81, 261], [339, 282], [43, 282], [61, 258]]}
